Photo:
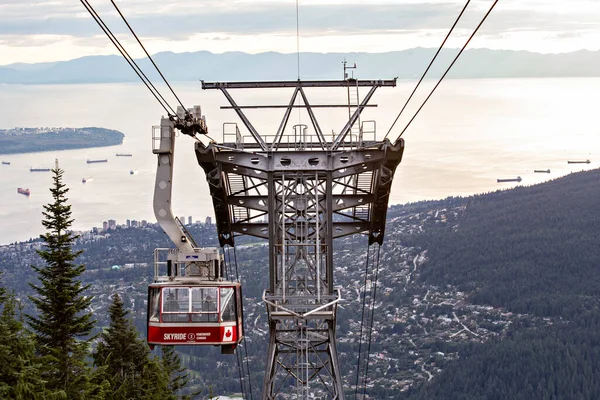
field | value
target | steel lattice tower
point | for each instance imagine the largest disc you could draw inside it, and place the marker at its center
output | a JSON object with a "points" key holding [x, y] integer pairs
{"points": [[300, 191]]}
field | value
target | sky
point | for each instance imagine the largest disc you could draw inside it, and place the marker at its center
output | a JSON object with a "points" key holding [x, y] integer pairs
{"points": [[33, 31]]}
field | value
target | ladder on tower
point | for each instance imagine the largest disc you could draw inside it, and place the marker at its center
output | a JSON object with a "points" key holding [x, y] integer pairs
{"points": [[237, 186], [353, 103], [363, 185]]}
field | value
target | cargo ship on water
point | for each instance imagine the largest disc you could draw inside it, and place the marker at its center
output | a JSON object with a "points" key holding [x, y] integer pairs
{"points": [[39, 169], [517, 179], [5, 162], [579, 162], [96, 161], [26, 192], [124, 155], [84, 180]]}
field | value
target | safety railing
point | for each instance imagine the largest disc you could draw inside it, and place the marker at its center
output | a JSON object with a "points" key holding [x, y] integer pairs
{"points": [[293, 141], [298, 306], [161, 262], [232, 135], [368, 131], [299, 139]]}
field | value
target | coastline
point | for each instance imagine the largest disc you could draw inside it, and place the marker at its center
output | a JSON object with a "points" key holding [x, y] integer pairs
{"points": [[34, 140]]}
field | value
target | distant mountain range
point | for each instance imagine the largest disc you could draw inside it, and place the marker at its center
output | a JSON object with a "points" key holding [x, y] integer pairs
{"points": [[232, 66]]}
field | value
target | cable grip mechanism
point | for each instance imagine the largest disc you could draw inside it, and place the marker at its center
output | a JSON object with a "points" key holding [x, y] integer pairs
{"points": [[190, 121]]}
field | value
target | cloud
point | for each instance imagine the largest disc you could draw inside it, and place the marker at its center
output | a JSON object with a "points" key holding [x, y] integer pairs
{"points": [[568, 35], [179, 19], [248, 18], [390, 24], [28, 41]]}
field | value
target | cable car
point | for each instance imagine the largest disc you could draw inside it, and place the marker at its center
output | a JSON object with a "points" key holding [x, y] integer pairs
{"points": [[192, 305]]}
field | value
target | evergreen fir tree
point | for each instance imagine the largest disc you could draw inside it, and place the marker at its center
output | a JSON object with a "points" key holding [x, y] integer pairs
{"points": [[63, 324], [130, 369], [20, 368], [178, 377]]}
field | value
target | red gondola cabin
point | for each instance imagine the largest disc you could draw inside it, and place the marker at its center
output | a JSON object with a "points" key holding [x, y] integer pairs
{"points": [[188, 311]]}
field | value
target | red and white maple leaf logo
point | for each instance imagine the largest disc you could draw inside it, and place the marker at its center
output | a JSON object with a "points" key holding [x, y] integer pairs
{"points": [[228, 334]]}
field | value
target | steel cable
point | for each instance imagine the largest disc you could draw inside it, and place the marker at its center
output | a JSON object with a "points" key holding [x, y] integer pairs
{"points": [[448, 69], [147, 54], [237, 277], [164, 104], [374, 297], [226, 256], [362, 318], [428, 67]]}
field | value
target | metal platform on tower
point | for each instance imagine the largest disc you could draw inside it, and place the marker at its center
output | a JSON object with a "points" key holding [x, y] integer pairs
{"points": [[300, 189]]}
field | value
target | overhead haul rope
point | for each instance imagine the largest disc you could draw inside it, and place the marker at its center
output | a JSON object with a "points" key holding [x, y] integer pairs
{"points": [[161, 100], [451, 65], [374, 298], [237, 277], [428, 67], [148, 55], [362, 319], [242, 386], [369, 319], [227, 261]]}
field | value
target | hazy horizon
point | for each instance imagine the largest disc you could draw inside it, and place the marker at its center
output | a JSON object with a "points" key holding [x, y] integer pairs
{"points": [[301, 53], [42, 31], [471, 133]]}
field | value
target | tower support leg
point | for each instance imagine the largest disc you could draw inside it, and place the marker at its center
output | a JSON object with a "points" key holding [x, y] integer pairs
{"points": [[335, 365], [302, 358], [270, 365]]}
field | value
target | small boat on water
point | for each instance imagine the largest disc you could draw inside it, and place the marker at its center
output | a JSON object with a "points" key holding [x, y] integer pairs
{"points": [[542, 171], [84, 180], [133, 172], [517, 179], [579, 162], [39, 169], [5, 162], [124, 155], [96, 161], [26, 192]]}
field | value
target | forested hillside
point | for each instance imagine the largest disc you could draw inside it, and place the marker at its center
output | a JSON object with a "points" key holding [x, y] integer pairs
{"points": [[530, 250], [486, 297]]}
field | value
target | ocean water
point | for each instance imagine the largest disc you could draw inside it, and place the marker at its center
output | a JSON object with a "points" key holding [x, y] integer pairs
{"points": [[470, 133]]}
